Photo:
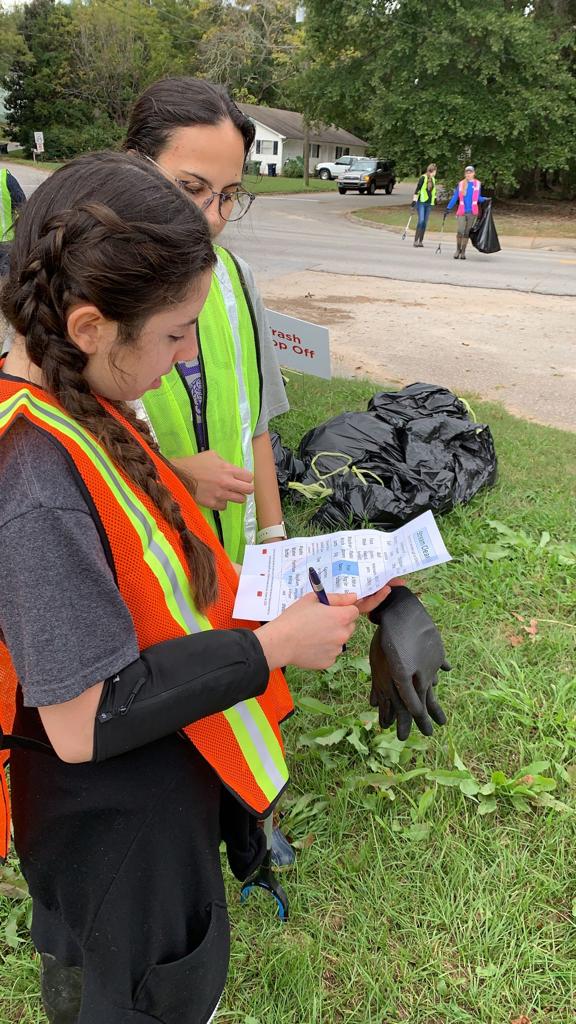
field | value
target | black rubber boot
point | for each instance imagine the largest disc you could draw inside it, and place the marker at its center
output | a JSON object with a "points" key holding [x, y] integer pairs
{"points": [[416, 238], [421, 239], [61, 990]]}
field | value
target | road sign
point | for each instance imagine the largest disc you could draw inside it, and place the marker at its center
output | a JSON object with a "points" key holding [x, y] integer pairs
{"points": [[300, 345], [39, 141]]}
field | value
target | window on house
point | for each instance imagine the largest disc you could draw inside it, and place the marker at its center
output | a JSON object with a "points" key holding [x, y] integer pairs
{"points": [[339, 152], [315, 151], [266, 147]]}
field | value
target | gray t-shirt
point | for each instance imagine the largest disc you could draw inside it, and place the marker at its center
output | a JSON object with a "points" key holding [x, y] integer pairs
{"points": [[61, 613], [274, 400]]}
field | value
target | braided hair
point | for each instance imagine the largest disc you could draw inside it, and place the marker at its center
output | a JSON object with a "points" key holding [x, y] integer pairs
{"points": [[113, 231]]}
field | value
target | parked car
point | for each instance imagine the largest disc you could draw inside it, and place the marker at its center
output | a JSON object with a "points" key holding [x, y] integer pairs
{"points": [[366, 175], [329, 169]]}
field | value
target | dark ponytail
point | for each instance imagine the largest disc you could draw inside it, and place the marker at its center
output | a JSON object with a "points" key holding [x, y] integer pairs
{"points": [[113, 231], [174, 103]]}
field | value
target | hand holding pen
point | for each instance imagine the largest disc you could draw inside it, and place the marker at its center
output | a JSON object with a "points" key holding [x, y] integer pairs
{"points": [[310, 634], [316, 584]]}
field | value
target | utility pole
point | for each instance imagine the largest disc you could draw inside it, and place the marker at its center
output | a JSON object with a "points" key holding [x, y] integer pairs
{"points": [[306, 152], [300, 17]]}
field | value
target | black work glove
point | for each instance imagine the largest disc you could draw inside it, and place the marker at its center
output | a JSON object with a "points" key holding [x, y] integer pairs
{"points": [[413, 204], [405, 656], [245, 840]]}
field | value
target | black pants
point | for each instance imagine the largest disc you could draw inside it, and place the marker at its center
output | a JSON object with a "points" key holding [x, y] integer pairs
{"points": [[122, 860]]}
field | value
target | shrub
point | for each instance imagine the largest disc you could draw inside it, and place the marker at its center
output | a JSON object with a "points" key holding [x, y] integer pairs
{"points": [[294, 168], [63, 143]]}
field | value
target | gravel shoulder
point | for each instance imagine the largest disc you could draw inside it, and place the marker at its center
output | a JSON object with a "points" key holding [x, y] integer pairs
{"points": [[506, 346]]}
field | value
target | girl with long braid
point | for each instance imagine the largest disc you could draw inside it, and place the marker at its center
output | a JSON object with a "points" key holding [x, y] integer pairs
{"points": [[141, 720]]}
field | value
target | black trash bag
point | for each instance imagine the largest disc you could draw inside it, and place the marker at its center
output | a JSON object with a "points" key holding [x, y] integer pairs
{"points": [[483, 234], [354, 505], [350, 439], [288, 467], [416, 400], [414, 450]]}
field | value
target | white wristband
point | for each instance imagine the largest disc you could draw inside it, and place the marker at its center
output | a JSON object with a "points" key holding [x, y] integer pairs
{"points": [[271, 533]]}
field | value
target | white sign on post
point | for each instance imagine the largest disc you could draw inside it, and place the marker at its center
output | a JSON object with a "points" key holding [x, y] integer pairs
{"points": [[300, 345], [39, 141]]}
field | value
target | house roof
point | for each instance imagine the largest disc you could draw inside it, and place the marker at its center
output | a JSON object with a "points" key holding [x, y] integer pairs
{"points": [[290, 125]]}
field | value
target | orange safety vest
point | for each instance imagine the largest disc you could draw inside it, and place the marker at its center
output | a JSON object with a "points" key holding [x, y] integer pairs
{"points": [[243, 744]]}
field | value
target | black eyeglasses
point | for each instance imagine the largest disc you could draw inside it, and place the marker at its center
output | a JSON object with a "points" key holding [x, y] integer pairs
{"points": [[231, 205]]}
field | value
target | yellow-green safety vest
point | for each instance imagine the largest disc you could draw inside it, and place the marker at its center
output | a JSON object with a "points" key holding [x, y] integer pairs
{"points": [[229, 355], [6, 215], [423, 194]]}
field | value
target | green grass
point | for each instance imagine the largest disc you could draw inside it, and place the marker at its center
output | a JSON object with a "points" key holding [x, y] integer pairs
{"points": [[265, 185], [418, 909], [552, 221], [40, 165]]}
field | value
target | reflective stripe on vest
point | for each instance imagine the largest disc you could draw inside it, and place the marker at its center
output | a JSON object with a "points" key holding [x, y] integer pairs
{"points": [[229, 358], [423, 194], [225, 281], [6, 215], [243, 744], [462, 189]]}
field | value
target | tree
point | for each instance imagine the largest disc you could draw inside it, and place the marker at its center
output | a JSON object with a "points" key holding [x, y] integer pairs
{"points": [[39, 81], [12, 45], [253, 48], [449, 82], [118, 51]]}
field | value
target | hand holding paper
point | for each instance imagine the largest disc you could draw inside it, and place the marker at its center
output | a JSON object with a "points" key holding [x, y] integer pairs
{"points": [[355, 561]]}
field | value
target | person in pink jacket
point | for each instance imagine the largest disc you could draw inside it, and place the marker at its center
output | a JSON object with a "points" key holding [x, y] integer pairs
{"points": [[468, 195]]}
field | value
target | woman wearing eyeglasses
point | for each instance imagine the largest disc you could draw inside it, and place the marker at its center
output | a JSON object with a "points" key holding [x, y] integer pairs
{"points": [[211, 416]]}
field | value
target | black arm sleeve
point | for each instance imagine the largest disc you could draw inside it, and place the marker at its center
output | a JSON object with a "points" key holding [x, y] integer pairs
{"points": [[173, 684]]}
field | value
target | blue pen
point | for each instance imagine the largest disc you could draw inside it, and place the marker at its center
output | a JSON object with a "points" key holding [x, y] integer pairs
{"points": [[316, 584]]}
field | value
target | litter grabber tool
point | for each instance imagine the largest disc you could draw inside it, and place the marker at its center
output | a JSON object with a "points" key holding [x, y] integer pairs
{"points": [[264, 877], [438, 251], [407, 228]]}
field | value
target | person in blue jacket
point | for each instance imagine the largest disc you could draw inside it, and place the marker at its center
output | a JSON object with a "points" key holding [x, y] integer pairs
{"points": [[468, 195]]}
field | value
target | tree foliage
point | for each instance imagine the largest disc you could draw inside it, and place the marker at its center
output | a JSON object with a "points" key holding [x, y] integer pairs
{"points": [[489, 82], [12, 44], [40, 79], [253, 48], [117, 52], [493, 81]]}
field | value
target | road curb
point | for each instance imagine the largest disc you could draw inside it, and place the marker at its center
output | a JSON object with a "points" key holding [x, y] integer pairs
{"points": [[508, 241]]}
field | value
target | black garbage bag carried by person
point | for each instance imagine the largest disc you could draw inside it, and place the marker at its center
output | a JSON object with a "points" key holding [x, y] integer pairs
{"points": [[412, 450], [483, 235]]}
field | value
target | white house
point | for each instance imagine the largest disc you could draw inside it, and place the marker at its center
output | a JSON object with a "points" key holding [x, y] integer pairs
{"points": [[280, 137]]}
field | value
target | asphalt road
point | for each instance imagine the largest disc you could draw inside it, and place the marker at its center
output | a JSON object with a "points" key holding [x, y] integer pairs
{"points": [[28, 177], [283, 234]]}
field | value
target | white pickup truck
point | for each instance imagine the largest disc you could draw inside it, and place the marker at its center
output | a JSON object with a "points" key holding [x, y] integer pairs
{"points": [[328, 169]]}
